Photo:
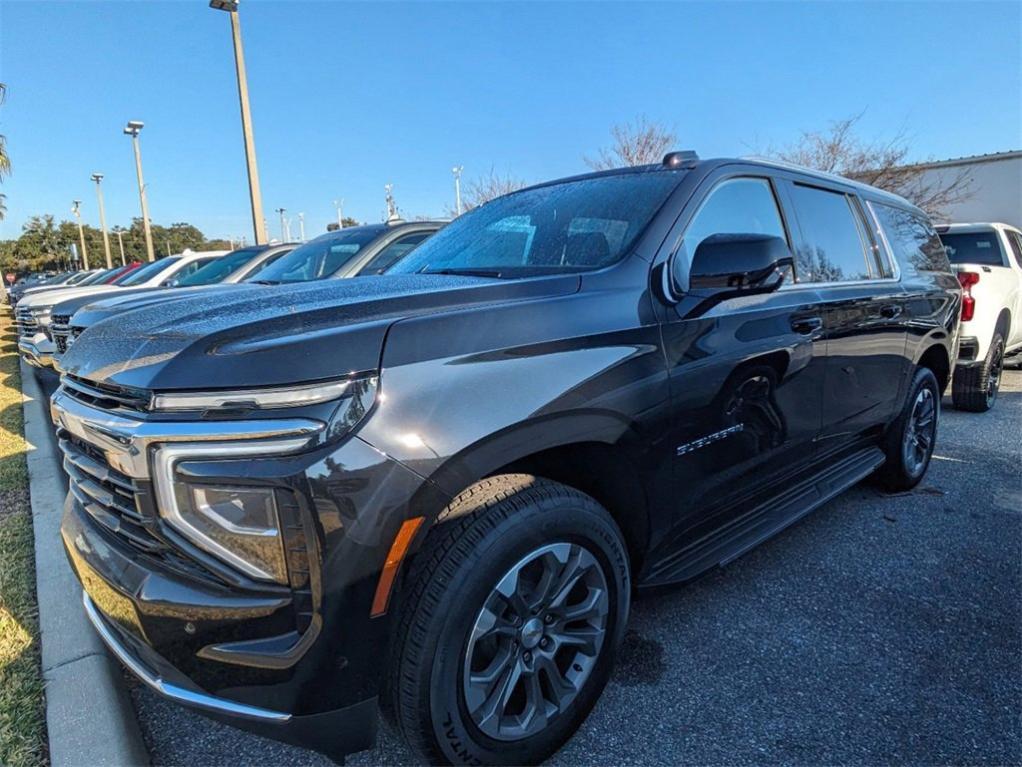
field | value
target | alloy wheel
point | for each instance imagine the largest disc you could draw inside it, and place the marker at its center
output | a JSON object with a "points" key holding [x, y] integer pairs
{"points": [[535, 641], [920, 431]]}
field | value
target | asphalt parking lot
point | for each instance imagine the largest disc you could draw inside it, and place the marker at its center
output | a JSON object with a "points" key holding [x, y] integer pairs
{"points": [[880, 629]]}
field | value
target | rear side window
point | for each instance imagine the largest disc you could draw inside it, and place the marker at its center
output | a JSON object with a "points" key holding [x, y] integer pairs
{"points": [[393, 253], [914, 242], [973, 248], [1016, 247], [833, 249]]}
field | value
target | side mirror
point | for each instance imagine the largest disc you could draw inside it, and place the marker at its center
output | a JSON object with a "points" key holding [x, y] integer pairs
{"points": [[727, 265]]}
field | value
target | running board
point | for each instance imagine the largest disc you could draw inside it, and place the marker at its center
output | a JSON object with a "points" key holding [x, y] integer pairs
{"points": [[765, 521]]}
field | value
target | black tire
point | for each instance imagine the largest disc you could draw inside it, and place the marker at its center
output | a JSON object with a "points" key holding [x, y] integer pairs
{"points": [[975, 387], [907, 457], [487, 532]]}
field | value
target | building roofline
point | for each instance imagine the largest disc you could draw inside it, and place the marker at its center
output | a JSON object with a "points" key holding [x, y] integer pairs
{"points": [[974, 159]]}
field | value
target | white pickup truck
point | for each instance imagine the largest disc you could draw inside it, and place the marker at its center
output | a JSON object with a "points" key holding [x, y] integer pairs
{"points": [[988, 258]]}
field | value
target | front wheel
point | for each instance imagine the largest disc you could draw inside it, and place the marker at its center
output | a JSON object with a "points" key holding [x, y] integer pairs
{"points": [[507, 634], [910, 440]]}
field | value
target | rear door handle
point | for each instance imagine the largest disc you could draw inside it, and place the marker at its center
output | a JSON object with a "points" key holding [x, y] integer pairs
{"points": [[890, 311], [806, 325]]}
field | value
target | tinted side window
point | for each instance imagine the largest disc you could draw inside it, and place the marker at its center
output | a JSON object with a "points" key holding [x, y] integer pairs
{"points": [[736, 206], [1016, 247], [393, 253], [914, 242], [833, 249]]}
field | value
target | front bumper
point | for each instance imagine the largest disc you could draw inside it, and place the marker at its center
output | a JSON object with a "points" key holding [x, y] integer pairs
{"points": [[37, 351], [299, 664]]}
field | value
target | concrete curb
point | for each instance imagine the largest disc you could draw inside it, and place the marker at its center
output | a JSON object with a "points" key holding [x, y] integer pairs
{"points": [[89, 716]]}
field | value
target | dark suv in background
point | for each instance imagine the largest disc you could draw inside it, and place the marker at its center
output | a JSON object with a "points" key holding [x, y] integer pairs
{"points": [[436, 490]]}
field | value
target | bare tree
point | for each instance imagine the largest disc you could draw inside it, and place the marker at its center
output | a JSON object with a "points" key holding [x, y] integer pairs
{"points": [[639, 143], [881, 163], [485, 188]]}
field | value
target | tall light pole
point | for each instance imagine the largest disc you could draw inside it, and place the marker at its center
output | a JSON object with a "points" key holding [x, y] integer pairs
{"points": [[132, 129], [81, 233], [456, 170], [258, 225], [301, 227], [98, 177], [283, 223], [120, 241], [339, 205]]}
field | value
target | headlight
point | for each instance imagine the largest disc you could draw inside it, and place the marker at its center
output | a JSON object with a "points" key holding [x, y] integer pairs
{"points": [[260, 399], [236, 524]]}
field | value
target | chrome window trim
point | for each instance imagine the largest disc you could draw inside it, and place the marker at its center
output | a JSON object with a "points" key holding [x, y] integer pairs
{"points": [[168, 689], [891, 259]]}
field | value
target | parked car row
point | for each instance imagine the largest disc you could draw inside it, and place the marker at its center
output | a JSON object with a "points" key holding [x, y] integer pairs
{"points": [[431, 489], [49, 319]]}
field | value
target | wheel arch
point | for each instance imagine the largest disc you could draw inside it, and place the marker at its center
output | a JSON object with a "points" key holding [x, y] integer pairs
{"points": [[1003, 323], [937, 359], [588, 450]]}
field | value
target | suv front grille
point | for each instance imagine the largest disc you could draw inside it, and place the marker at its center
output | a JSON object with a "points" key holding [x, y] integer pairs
{"points": [[105, 396], [27, 324], [107, 495], [61, 332]]}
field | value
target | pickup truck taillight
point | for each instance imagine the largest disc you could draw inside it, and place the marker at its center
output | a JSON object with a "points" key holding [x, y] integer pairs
{"points": [[968, 279]]}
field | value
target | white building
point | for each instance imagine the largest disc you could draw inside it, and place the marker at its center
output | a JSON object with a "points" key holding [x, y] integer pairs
{"points": [[996, 188]]}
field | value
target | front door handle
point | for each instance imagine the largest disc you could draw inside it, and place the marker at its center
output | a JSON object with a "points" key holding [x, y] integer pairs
{"points": [[806, 325], [890, 311]]}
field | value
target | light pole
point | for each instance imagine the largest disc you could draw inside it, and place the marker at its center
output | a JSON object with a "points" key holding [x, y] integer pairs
{"points": [[98, 177], [258, 225], [132, 129], [301, 227], [456, 170], [120, 241], [81, 232], [339, 205], [392, 214], [283, 223]]}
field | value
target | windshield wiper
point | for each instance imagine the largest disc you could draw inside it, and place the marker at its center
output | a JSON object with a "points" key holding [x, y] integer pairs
{"points": [[264, 282], [467, 272]]}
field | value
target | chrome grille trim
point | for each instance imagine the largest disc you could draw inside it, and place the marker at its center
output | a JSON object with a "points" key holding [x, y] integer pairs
{"points": [[123, 439]]}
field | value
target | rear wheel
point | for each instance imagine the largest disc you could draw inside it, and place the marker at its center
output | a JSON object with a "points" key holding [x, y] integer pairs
{"points": [[975, 387], [507, 635], [911, 438]]}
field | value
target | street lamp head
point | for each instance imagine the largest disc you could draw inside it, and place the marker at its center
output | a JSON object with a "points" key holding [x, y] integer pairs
{"points": [[224, 5], [133, 127], [97, 177]]}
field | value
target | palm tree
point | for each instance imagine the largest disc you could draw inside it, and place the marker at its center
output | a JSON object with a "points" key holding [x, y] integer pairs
{"points": [[5, 160]]}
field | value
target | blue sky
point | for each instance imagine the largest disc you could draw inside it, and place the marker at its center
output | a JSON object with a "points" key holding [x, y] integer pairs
{"points": [[349, 96]]}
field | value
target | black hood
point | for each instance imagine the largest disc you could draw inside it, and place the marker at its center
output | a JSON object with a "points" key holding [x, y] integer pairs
{"points": [[90, 310], [119, 300], [275, 335]]}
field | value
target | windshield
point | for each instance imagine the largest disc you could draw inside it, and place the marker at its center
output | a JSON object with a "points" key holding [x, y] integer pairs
{"points": [[566, 227], [221, 268], [320, 257], [144, 273], [973, 248], [97, 277]]}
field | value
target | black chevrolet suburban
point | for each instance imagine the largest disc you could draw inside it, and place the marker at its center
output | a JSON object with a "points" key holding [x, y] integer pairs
{"points": [[433, 493]]}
